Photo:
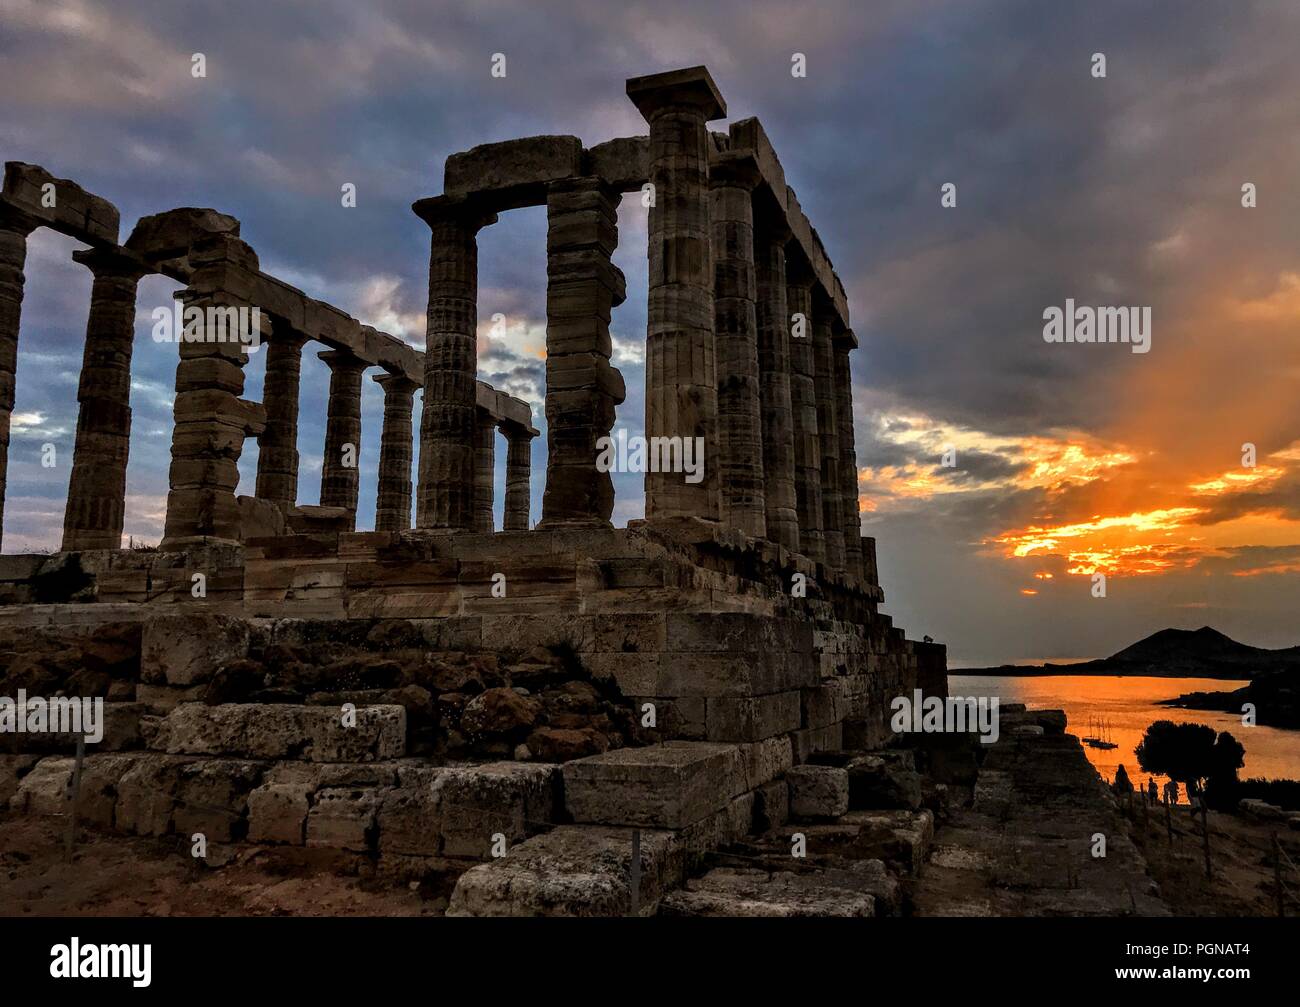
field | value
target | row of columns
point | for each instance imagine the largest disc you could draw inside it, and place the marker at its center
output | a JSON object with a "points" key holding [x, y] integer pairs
{"points": [[742, 352], [743, 346], [212, 421]]}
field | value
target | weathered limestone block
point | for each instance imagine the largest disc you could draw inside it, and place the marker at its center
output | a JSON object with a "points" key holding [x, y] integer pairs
{"points": [[146, 795], [818, 791], [12, 769], [185, 650], [765, 760], [728, 891], [887, 780], [572, 870], [752, 718], [212, 798], [824, 704], [771, 805], [45, 789], [474, 802], [664, 786], [809, 742], [623, 162], [75, 212], [410, 817], [513, 173], [900, 837], [100, 776], [343, 818], [277, 813], [283, 731]]}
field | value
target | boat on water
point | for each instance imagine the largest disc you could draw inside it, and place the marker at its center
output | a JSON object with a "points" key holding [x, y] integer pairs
{"points": [[1100, 739]]}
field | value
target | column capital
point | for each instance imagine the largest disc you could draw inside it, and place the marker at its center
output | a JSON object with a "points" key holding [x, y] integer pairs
{"points": [[15, 220], [396, 384], [343, 360], [470, 212], [109, 261], [734, 169], [691, 88]]}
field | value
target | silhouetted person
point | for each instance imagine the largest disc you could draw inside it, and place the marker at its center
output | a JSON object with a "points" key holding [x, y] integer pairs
{"points": [[1153, 793], [1122, 785]]}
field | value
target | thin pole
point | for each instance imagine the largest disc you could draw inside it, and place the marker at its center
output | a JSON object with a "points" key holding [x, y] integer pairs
{"points": [[636, 872], [76, 793]]}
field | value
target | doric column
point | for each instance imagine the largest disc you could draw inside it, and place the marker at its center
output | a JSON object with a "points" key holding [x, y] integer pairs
{"points": [[681, 381], [14, 229], [211, 419], [519, 464], [339, 475], [396, 450], [485, 467], [447, 424], [803, 402], [773, 320], [828, 434], [582, 388], [277, 456], [732, 178], [93, 517], [852, 525]]}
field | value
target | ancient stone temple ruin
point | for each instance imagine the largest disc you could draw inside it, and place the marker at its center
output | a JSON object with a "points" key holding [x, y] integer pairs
{"points": [[499, 707]]}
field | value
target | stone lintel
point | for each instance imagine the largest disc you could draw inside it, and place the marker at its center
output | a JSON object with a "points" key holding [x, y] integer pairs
{"points": [[692, 86], [76, 212], [513, 173], [624, 162]]}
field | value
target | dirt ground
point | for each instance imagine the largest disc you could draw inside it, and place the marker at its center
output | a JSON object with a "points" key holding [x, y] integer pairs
{"points": [[1241, 861], [127, 876]]}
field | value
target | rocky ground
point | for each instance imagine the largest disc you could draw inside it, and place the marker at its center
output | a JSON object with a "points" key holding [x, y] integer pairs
{"points": [[127, 876]]}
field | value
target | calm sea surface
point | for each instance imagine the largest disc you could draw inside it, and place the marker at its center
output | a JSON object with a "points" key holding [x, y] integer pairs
{"points": [[1128, 705]]}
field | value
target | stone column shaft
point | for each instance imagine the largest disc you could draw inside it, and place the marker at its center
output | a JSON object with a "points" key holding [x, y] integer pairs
{"points": [[773, 321], [340, 473], [519, 464], [803, 400], [396, 452], [277, 457], [95, 511], [743, 505], [485, 468], [448, 422], [851, 523], [13, 254], [681, 376], [582, 388], [828, 436], [211, 419]]}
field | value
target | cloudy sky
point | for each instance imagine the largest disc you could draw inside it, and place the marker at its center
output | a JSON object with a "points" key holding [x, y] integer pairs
{"points": [[1123, 190]]}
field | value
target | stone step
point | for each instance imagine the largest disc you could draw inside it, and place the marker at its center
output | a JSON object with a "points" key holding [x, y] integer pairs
{"points": [[573, 870], [728, 891], [868, 877]]}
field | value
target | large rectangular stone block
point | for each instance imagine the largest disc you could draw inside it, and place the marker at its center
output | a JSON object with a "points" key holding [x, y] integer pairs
{"points": [[476, 802], [283, 731], [663, 786], [753, 718]]}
